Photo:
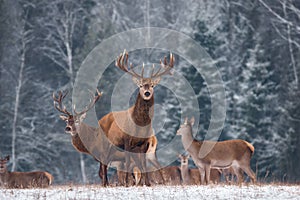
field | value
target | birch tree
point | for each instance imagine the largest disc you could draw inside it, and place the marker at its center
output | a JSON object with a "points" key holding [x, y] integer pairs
{"points": [[23, 36], [63, 23], [286, 17]]}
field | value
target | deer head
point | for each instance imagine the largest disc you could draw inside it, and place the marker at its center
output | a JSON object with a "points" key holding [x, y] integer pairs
{"points": [[184, 159], [73, 121], [3, 162], [145, 85], [186, 126]]}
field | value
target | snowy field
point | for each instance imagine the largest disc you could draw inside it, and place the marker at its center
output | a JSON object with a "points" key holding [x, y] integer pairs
{"points": [[157, 192]]}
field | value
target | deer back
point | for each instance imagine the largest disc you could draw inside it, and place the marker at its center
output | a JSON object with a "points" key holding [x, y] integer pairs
{"points": [[229, 150], [29, 179]]}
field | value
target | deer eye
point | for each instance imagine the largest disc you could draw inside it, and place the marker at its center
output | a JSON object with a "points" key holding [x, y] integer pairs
{"points": [[141, 86]]}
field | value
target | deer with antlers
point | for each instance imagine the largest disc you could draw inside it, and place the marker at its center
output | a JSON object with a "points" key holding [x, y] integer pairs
{"points": [[131, 129], [231, 153], [80, 130], [77, 129], [23, 179]]}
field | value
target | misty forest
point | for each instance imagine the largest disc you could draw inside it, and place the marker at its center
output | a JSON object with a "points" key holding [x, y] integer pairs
{"points": [[254, 44]]}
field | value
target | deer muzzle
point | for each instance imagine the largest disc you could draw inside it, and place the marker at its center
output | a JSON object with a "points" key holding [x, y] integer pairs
{"points": [[68, 129], [147, 94]]}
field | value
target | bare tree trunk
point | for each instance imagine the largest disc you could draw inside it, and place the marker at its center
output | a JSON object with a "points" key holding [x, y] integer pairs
{"points": [[82, 167], [17, 101], [61, 31], [290, 44]]}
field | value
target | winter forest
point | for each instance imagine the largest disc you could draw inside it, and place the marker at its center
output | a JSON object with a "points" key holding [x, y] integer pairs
{"points": [[254, 44]]}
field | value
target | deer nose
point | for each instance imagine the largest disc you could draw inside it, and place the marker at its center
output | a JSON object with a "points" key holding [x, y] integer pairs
{"points": [[68, 129], [147, 94]]}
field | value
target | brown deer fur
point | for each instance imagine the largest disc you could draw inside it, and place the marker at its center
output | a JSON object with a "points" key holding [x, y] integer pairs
{"points": [[87, 139], [192, 176], [131, 129], [169, 175], [23, 179], [225, 154], [111, 127], [88, 133]]}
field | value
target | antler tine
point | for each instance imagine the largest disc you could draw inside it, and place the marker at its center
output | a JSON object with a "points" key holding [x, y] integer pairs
{"points": [[122, 63], [58, 102], [164, 64], [93, 100]]}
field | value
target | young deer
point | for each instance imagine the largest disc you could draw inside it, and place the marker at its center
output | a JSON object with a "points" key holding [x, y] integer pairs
{"points": [[231, 153], [131, 129], [23, 179], [169, 175], [192, 176]]}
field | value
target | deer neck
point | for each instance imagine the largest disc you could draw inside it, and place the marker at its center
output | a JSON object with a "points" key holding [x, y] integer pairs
{"points": [[185, 174], [76, 138], [189, 142], [143, 111], [4, 177]]}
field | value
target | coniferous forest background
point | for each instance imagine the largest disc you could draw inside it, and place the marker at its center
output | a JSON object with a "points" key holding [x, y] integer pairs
{"points": [[255, 45]]}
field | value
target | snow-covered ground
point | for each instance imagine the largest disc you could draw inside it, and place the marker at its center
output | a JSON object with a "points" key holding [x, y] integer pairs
{"points": [[157, 192]]}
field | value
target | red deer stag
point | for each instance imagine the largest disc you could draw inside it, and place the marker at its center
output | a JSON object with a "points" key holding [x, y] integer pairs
{"points": [[131, 129], [192, 176], [231, 153], [75, 124], [77, 129], [23, 179]]}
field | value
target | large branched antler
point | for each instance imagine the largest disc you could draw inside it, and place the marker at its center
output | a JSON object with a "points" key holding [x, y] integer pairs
{"points": [[122, 63], [93, 100], [164, 65], [62, 108], [58, 102]]}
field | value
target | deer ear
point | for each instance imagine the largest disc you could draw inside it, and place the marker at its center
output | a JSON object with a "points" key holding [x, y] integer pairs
{"points": [[185, 120], [179, 156], [63, 117], [136, 80], [82, 117], [192, 121], [7, 158]]}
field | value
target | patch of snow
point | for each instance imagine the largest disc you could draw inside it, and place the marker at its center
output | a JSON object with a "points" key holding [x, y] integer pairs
{"points": [[157, 192]]}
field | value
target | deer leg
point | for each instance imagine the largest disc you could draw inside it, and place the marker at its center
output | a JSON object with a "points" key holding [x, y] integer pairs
{"points": [[153, 159], [202, 175], [249, 172], [104, 175], [140, 161], [207, 173], [238, 174], [100, 172], [144, 168], [137, 175], [127, 166]]}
